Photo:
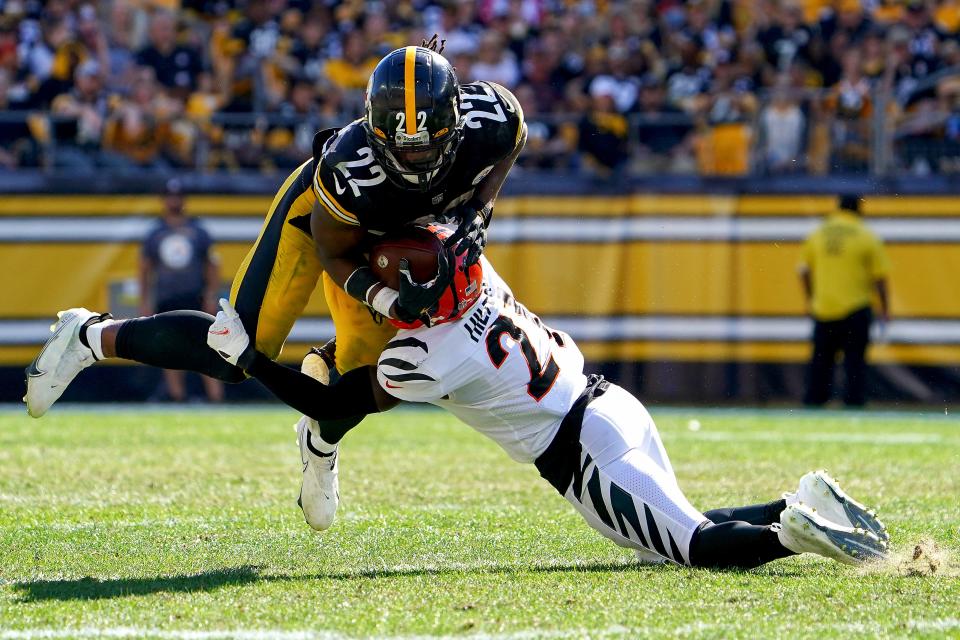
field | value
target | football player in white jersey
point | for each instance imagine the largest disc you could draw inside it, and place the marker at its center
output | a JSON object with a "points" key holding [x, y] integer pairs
{"points": [[484, 357]]}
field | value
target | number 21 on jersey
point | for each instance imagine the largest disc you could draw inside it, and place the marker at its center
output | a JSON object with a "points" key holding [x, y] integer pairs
{"points": [[542, 376]]}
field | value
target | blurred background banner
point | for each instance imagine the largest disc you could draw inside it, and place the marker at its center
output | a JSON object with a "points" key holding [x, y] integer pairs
{"points": [[689, 297]]}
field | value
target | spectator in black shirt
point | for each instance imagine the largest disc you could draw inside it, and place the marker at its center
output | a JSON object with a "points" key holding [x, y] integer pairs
{"points": [[82, 114], [603, 137], [17, 147], [176, 66], [549, 143], [787, 40], [849, 19], [664, 130]]}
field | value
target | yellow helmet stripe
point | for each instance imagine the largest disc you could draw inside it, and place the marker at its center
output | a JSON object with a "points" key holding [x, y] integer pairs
{"points": [[410, 89]]}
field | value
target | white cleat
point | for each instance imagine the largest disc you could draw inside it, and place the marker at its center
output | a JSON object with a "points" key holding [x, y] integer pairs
{"points": [[63, 356], [803, 531], [320, 490], [823, 494]]}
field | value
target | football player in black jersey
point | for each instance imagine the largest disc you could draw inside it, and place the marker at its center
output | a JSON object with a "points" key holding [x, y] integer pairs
{"points": [[426, 146]]}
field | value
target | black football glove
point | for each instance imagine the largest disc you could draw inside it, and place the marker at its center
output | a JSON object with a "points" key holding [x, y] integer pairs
{"points": [[415, 300], [471, 233]]}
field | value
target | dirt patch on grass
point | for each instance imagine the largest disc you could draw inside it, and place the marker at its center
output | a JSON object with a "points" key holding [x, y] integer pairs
{"points": [[922, 558]]}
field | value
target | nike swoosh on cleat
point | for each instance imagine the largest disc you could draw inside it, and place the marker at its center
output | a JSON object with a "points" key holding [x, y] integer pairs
{"points": [[856, 515], [33, 371]]}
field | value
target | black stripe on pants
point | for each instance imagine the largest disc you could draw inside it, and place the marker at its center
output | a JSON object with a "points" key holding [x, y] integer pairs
{"points": [[253, 286]]}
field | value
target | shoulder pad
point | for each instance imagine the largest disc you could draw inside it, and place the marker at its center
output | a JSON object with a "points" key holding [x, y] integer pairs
{"points": [[346, 173], [492, 115], [508, 99], [320, 139]]}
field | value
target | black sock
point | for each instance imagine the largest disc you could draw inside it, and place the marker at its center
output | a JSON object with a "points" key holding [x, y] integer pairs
{"points": [[735, 545], [332, 431], [762, 514], [174, 340]]}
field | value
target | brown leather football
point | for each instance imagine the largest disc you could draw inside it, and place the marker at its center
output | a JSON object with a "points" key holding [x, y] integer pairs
{"points": [[418, 245]]}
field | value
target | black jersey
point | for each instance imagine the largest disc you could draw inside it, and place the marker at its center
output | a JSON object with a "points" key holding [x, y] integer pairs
{"points": [[355, 189]]}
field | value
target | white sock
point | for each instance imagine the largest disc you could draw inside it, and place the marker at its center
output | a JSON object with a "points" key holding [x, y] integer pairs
{"points": [[93, 337], [319, 443]]}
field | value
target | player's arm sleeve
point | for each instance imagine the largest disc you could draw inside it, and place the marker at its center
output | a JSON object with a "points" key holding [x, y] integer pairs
{"points": [[405, 373], [352, 396]]}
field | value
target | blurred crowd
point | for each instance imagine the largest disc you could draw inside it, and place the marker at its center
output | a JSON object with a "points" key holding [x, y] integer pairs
{"points": [[710, 86]]}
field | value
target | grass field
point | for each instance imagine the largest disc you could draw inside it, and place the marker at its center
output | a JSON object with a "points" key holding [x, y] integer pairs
{"points": [[184, 525]]}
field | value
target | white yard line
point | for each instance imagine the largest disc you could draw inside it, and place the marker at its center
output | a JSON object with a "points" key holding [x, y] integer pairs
{"points": [[944, 624], [282, 634], [812, 436]]}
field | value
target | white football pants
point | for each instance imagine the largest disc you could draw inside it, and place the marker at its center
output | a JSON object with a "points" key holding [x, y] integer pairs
{"points": [[625, 487]]}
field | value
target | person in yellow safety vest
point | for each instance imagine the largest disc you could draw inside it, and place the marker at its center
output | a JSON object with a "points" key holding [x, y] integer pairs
{"points": [[842, 264]]}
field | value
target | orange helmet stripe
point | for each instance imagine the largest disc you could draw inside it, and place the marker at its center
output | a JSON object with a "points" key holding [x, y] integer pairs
{"points": [[410, 89]]}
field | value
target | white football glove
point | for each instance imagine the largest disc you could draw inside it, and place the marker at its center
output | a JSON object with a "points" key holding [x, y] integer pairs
{"points": [[226, 335]]}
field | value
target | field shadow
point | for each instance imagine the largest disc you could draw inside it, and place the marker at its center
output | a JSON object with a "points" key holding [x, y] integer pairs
{"points": [[95, 589], [401, 572]]}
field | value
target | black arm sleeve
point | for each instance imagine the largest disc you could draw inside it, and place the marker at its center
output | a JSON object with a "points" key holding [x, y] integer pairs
{"points": [[350, 397]]}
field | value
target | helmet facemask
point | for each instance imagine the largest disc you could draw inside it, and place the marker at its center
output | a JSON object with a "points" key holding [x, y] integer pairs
{"points": [[414, 161]]}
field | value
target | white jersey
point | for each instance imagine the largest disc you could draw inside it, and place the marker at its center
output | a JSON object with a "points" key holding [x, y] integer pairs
{"points": [[497, 368]]}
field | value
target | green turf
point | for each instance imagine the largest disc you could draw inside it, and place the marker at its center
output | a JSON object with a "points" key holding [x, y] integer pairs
{"points": [[187, 521]]}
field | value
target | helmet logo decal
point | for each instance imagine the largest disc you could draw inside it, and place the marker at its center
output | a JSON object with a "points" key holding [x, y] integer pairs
{"points": [[421, 137], [379, 133]]}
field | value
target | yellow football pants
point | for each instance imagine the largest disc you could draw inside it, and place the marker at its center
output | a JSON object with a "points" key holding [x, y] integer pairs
{"points": [[275, 280]]}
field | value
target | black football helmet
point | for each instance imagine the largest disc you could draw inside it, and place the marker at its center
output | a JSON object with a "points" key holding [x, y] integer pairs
{"points": [[413, 118]]}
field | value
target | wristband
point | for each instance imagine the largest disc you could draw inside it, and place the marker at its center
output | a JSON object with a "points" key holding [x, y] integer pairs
{"points": [[359, 283], [246, 359], [383, 301]]}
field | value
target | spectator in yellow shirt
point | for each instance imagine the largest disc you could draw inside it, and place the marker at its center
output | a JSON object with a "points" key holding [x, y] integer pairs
{"points": [[842, 265], [352, 70]]}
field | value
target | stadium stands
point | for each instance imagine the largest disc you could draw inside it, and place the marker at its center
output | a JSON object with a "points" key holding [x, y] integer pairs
{"points": [[709, 87]]}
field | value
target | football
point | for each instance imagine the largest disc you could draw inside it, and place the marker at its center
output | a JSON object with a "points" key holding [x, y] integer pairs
{"points": [[418, 245]]}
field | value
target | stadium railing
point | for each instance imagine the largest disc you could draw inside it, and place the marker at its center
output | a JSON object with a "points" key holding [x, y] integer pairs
{"points": [[811, 139]]}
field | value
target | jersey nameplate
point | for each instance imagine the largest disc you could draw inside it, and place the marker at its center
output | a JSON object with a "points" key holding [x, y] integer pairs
{"points": [[476, 323]]}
